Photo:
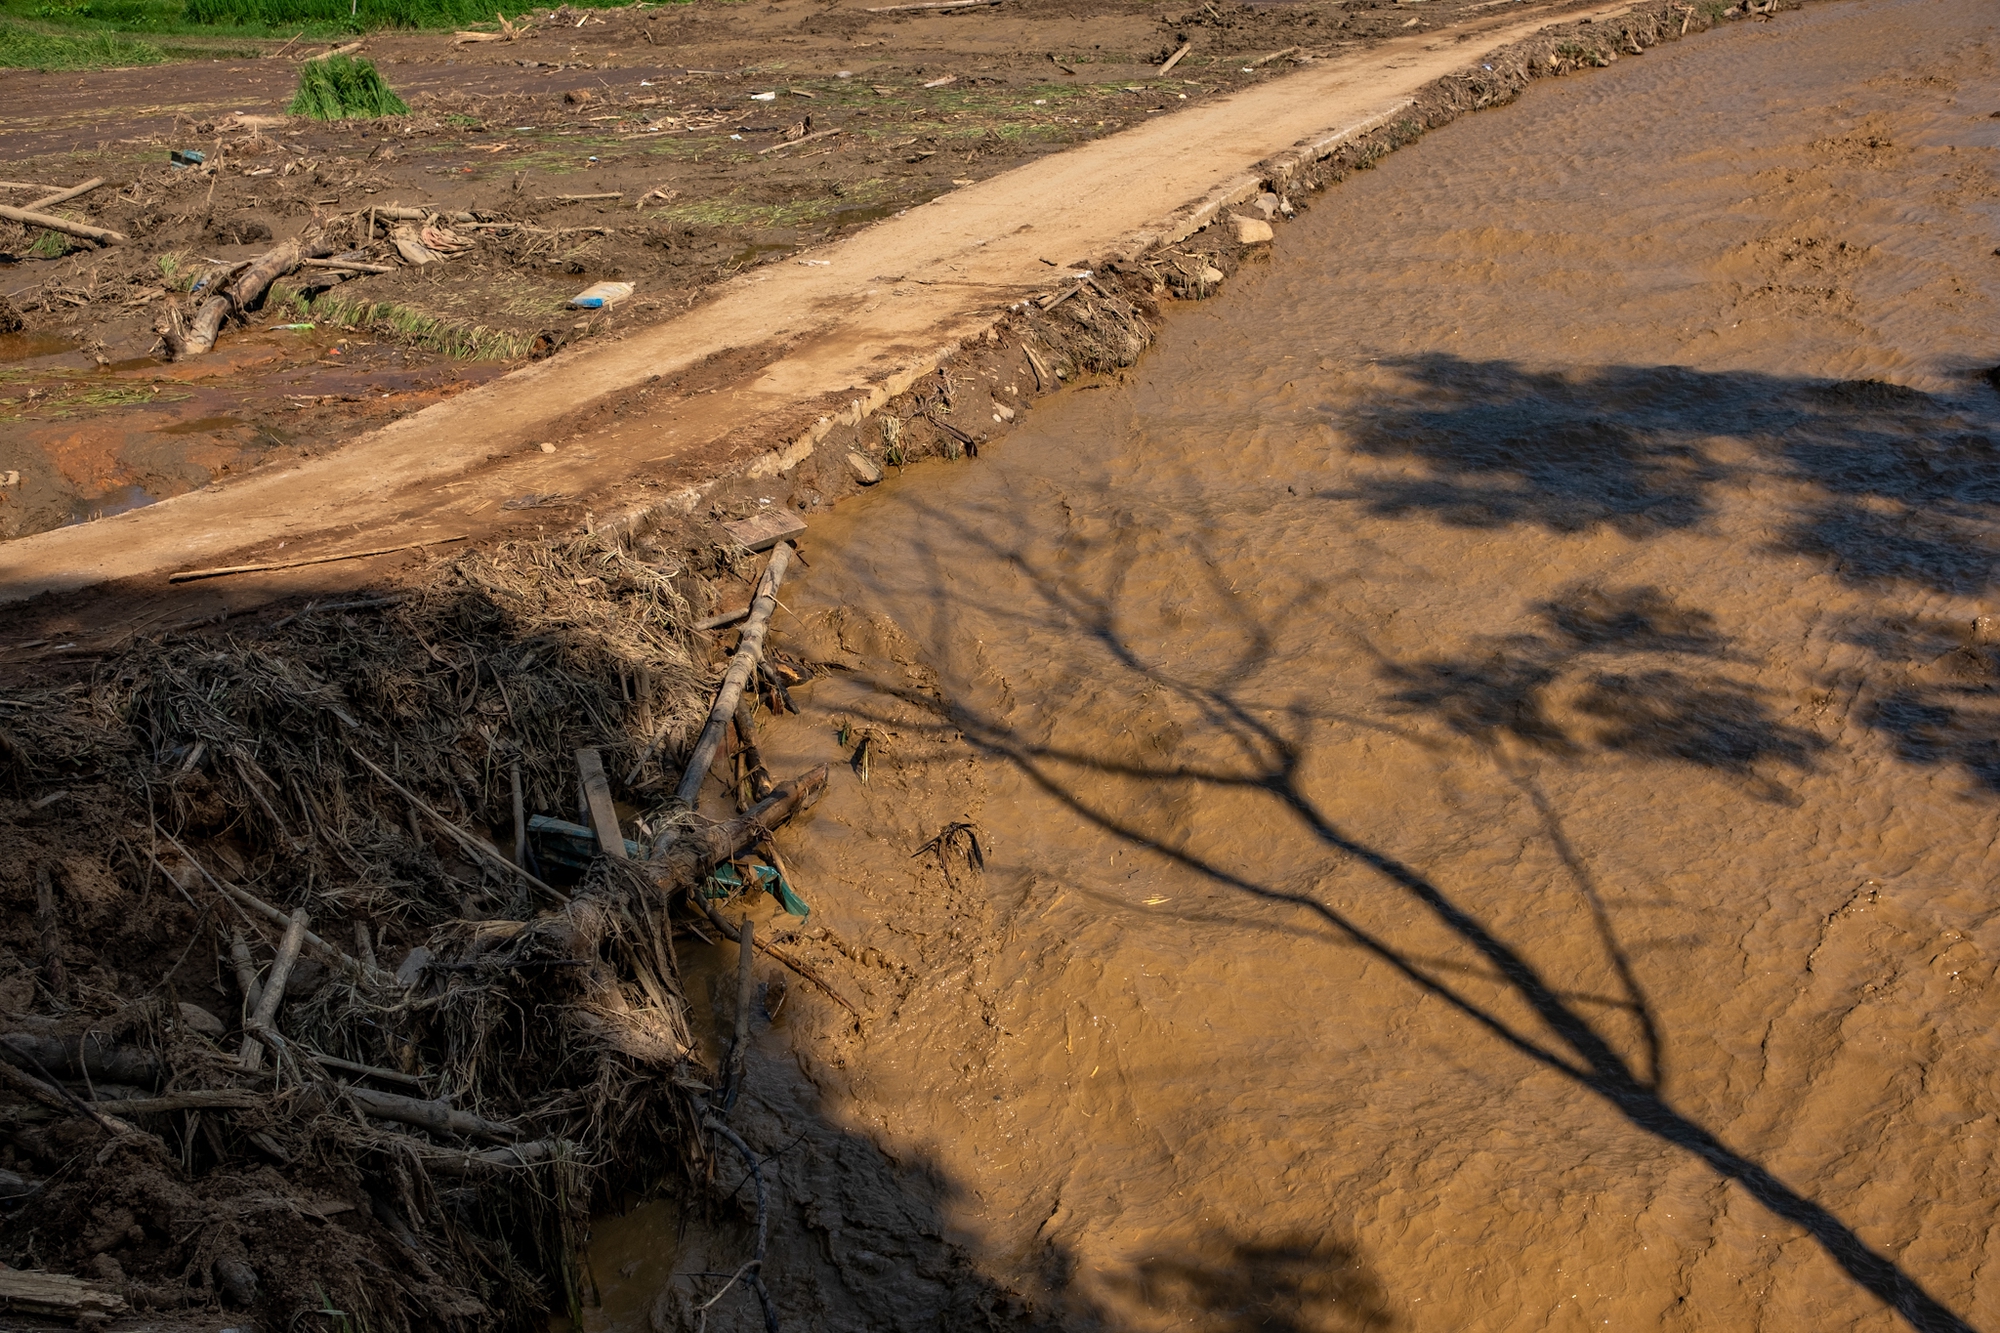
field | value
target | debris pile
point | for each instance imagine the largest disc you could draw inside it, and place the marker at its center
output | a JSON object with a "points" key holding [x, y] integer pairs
{"points": [[297, 1026]]}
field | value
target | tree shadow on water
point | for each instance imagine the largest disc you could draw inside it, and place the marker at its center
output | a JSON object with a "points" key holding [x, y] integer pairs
{"points": [[1944, 710], [1537, 687], [1896, 486], [1634, 663], [1288, 1284]]}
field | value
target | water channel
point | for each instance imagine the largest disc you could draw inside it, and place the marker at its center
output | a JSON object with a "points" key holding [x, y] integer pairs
{"points": [[1485, 749]]}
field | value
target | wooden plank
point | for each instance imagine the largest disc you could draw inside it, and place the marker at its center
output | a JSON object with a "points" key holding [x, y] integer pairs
{"points": [[56, 1294], [760, 532], [597, 797]]}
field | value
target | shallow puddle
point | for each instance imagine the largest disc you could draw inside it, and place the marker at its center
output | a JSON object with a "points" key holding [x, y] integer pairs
{"points": [[1485, 752], [15, 347]]}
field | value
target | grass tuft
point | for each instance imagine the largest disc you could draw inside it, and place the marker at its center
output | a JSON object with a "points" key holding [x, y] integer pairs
{"points": [[343, 88], [389, 320]]}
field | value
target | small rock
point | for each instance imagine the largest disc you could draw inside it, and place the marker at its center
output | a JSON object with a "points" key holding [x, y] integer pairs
{"points": [[1006, 413], [1266, 204], [1986, 629], [238, 1281], [1250, 231], [546, 447], [200, 1020], [412, 966], [865, 469], [577, 96], [1211, 274]]}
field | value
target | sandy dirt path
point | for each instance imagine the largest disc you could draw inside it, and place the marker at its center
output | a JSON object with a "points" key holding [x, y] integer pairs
{"points": [[853, 322]]}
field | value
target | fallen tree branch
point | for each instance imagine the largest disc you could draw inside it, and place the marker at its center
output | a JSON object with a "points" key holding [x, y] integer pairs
{"points": [[334, 957], [243, 292], [748, 649], [751, 1272], [436, 1116]]}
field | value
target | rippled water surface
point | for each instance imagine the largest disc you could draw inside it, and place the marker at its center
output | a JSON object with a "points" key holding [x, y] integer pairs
{"points": [[1487, 752]]}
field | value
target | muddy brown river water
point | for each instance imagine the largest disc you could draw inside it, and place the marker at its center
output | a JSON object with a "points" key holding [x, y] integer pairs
{"points": [[1486, 751]]}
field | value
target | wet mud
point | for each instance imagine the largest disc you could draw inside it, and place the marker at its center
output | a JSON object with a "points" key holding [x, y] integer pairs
{"points": [[1477, 763]]}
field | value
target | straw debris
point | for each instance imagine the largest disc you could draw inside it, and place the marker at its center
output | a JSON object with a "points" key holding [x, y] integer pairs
{"points": [[433, 1121]]}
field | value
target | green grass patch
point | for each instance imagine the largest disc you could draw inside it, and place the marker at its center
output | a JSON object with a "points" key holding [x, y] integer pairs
{"points": [[25, 47], [343, 88], [387, 319], [70, 396], [356, 15]]}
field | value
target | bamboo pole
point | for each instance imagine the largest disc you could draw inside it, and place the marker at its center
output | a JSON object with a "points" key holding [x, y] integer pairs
{"points": [[26, 217]]}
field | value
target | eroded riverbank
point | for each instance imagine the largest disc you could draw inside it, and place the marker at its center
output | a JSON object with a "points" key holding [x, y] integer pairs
{"points": [[1484, 751]]}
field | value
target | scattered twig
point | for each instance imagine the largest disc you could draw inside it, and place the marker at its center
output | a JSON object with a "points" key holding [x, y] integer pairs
{"points": [[476, 846], [804, 138], [190, 575]]}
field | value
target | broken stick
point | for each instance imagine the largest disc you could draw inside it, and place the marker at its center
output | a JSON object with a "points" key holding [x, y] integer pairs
{"points": [[748, 650], [260, 1024]]}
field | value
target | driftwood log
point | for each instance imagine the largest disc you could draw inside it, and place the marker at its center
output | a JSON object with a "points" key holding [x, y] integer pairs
{"points": [[81, 1057], [242, 294], [58, 1295]]}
